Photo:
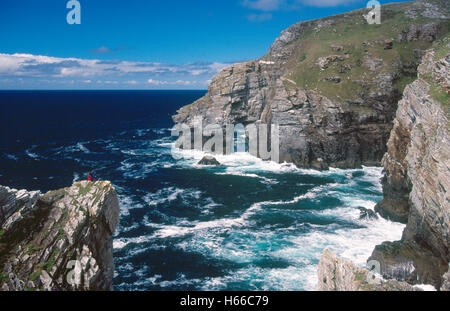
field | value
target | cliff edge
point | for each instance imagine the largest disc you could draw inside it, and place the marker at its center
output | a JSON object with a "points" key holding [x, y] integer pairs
{"points": [[416, 186], [60, 240], [331, 85], [417, 182]]}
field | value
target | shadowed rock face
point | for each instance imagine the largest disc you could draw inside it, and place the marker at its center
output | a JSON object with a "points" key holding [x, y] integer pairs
{"points": [[41, 234], [335, 274], [417, 183], [332, 90], [209, 160]]}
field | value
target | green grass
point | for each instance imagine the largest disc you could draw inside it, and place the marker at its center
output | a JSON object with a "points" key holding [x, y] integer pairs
{"points": [[61, 233], [360, 276], [48, 265], [440, 95], [441, 48], [35, 274], [436, 91], [31, 248], [350, 31], [3, 278], [85, 190]]}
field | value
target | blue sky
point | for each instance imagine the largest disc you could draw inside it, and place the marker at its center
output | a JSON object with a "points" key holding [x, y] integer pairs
{"points": [[148, 44]]}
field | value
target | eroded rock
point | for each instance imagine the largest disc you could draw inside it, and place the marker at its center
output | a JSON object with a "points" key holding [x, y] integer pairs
{"points": [[48, 236]]}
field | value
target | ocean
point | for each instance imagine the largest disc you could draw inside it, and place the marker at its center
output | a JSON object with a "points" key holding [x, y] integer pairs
{"points": [[247, 225]]}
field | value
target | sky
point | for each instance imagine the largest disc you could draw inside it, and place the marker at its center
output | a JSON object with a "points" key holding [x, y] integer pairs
{"points": [[142, 44]]}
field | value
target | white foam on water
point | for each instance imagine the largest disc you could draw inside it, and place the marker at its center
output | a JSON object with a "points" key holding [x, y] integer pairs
{"points": [[126, 204], [302, 251], [76, 177], [122, 242], [170, 194], [31, 154], [235, 238], [237, 173], [426, 287], [242, 160], [11, 157], [136, 170], [83, 148]]}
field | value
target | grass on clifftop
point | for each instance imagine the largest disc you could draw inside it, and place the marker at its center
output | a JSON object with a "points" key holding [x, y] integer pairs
{"points": [[351, 31]]}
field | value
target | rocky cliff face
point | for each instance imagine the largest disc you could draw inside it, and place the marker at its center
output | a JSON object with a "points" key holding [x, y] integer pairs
{"points": [[336, 274], [60, 240], [416, 188], [332, 85], [417, 182]]}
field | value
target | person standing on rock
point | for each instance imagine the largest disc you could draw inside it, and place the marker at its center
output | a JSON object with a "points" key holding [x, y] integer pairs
{"points": [[94, 177], [89, 178]]}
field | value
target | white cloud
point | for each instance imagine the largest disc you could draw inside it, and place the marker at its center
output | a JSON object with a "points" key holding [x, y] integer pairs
{"points": [[275, 5], [263, 5], [101, 50], [156, 82], [38, 68], [259, 17], [328, 3]]}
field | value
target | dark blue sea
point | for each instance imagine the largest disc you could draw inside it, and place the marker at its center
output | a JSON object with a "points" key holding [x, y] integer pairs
{"points": [[248, 225]]}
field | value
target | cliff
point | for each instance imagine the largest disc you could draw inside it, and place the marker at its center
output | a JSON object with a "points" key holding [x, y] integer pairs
{"points": [[332, 84], [417, 182], [60, 240], [416, 187]]}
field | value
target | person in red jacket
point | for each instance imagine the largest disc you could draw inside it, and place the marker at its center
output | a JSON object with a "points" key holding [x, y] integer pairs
{"points": [[90, 177]]}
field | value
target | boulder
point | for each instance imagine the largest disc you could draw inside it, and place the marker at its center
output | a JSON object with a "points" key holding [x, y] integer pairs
{"points": [[209, 160], [367, 213]]}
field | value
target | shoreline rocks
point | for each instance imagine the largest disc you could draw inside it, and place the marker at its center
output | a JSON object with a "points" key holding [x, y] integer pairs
{"points": [[336, 274]]}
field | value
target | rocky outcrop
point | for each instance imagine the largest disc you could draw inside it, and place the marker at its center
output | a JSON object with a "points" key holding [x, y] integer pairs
{"points": [[416, 188], [332, 91], [209, 160], [60, 240], [417, 182], [335, 274]]}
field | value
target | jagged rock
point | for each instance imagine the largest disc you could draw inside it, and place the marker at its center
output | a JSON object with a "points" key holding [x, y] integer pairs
{"points": [[335, 274], [334, 79], [345, 68], [367, 213], [417, 181], [426, 32], [337, 48], [346, 126], [12, 200], [324, 62], [208, 160], [372, 62], [319, 164], [48, 235], [388, 44], [410, 262], [446, 281]]}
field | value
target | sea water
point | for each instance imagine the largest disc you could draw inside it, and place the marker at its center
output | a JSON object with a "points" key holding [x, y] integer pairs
{"points": [[246, 225]]}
